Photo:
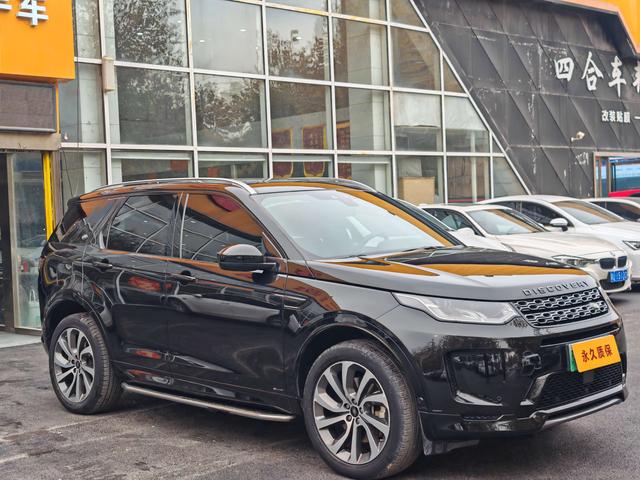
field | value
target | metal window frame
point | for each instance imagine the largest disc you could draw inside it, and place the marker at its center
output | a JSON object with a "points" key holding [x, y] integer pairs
{"points": [[269, 151]]}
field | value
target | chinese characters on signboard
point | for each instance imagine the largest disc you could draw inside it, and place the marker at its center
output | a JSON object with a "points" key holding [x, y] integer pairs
{"points": [[33, 11], [565, 68]]}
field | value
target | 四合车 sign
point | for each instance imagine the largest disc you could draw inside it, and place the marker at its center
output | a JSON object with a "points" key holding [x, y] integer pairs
{"points": [[36, 40]]}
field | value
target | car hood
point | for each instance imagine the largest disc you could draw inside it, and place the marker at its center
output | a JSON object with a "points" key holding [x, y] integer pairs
{"points": [[457, 272], [550, 244]]}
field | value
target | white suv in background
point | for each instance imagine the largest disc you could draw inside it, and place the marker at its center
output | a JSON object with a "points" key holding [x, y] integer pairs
{"points": [[566, 214], [602, 260]]}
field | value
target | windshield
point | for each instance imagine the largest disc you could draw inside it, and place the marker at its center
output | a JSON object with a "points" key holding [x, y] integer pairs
{"points": [[504, 222], [587, 212], [344, 224]]}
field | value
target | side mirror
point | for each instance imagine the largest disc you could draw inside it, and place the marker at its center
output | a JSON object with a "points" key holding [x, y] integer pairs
{"points": [[466, 231], [243, 258], [561, 223]]}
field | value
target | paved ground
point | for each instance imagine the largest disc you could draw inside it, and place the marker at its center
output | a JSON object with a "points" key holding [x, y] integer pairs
{"points": [[148, 439], [14, 340]]}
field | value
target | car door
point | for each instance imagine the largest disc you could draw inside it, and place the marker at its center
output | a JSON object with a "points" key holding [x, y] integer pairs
{"points": [[124, 270], [226, 329]]}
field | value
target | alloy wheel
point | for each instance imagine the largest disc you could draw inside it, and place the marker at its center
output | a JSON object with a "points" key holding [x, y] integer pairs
{"points": [[74, 365], [351, 412]]}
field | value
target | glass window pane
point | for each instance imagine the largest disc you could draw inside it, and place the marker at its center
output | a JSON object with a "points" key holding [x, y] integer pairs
{"points": [[420, 179], [147, 31], [298, 44], [28, 218], [230, 111], [359, 8], [299, 166], [360, 52], [314, 4], [465, 130], [226, 36], [81, 113], [403, 12], [150, 107], [81, 172], [362, 118], [416, 60], [505, 182], [143, 225], [418, 122], [127, 166], [451, 83], [232, 165], [87, 28], [212, 222], [372, 171], [468, 179], [300, 116]]}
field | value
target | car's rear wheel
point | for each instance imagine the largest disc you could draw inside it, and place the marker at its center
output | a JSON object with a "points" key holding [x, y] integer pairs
{"points": [[360, 412], [80, 368]]}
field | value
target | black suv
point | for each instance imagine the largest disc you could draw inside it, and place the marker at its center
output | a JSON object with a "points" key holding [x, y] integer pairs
{"points": [[326, 299]]}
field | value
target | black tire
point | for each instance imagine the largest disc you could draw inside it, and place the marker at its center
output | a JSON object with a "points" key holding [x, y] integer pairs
{"points": [[105, 390], [403, 444]]}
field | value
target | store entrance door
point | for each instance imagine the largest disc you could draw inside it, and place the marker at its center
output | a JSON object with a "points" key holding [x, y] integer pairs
{"points": [[22, 236]]}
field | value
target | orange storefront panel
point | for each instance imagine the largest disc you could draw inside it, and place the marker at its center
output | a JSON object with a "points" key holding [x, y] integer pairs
{"points": [[33, 47]]}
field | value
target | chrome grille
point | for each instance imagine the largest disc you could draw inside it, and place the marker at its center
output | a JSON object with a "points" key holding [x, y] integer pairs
{"points": [[622, 262], [570, 307]]}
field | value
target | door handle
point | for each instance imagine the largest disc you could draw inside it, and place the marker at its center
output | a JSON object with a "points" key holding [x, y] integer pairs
{"points": [[184, 277]]}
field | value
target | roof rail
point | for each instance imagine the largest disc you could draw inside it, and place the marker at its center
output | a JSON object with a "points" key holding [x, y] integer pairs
{"points": [[328, 180], [160, 181]]}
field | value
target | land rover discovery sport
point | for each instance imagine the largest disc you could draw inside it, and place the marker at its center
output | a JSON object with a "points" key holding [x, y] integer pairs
{"points": [[320, 298]]}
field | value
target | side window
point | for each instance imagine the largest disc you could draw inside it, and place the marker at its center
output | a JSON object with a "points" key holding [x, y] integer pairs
{"points": [[142, 225], [461, 221], [539, 213], [513, 205], [83, 218], [211, 222], [440, 215], [627, 212]]}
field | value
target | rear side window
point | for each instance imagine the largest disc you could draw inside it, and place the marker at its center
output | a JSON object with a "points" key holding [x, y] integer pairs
{"points": [[143, 225], [211, 222], [82, 220]]}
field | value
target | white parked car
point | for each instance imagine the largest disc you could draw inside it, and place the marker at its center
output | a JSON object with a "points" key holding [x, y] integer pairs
{"points": [[605, 262], [565, 214], [627, 208], [465, 235]]}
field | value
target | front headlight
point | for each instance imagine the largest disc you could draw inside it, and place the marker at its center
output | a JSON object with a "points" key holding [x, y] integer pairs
{"points": [[461, 311], [632, 244], [575, 261]]}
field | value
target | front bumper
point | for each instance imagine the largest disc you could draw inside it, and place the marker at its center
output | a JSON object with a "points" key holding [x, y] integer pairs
{"points": [[478, 381], [457, 428]]}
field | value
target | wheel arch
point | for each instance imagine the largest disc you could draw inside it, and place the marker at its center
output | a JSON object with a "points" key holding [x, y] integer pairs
{"points": [[328, 335], [59, 310]]}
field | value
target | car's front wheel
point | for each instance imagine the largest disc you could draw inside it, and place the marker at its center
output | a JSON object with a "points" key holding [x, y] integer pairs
{"points": [[360, 412], [80, 368]]}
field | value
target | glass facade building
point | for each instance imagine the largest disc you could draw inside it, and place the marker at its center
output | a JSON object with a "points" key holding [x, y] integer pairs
{"points": [[251, 89]]}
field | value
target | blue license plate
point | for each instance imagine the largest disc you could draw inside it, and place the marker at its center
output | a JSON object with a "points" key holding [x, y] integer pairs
{"points": [[619, 276]]}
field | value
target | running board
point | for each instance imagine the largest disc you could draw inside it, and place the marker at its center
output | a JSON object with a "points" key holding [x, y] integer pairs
{"points": [[240, 411]]}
